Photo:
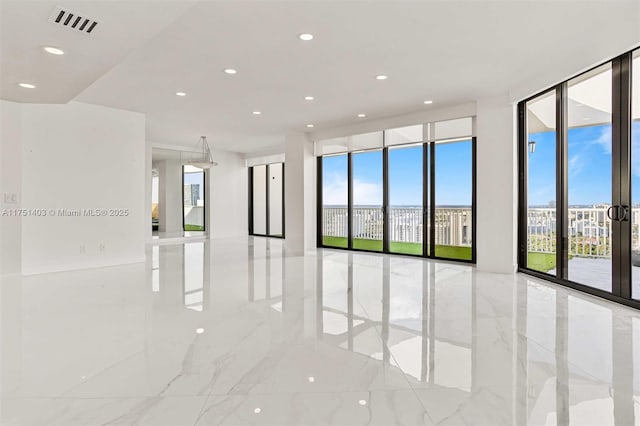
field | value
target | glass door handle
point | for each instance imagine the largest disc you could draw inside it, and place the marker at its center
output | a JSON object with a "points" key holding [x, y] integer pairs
{"points": [[625, 213], [609, 210], [621, 213]]}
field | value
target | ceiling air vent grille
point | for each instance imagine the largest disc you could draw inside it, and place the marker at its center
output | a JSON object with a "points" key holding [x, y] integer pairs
{"points": [[72, 21]]}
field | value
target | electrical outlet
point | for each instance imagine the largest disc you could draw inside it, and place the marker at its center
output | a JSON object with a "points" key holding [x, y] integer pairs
{"points": [[83, 249], [103, 247]]}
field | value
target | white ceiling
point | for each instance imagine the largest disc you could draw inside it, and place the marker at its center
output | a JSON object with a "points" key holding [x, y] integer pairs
{"points": [[449, 52], [24, 30]]}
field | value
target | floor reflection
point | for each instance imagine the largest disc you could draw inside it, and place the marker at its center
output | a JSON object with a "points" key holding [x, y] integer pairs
{"points": [[551, 356], [212, 330]]}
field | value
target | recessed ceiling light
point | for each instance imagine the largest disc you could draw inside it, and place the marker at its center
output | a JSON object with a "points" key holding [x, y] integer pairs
{"points": [[257, 112], [181, 94], [311, 379], [53, 50], [257, 410], [199, 330], [310, 126], [230, 71], [27, 85], [362, 115], [381, 77], [305, 37], [309, 98], [428, 102], [362, 402]]}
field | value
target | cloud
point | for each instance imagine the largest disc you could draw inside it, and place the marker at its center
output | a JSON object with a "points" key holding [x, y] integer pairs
{"points": [[576, 165], [604, 140], [334, 191], [367, 193], [364, 193]]}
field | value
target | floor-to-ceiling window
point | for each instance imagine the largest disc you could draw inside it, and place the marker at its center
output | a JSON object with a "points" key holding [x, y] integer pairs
{"points": [[335, 196], [193, 207], [408, 214], [635, 174], [406, 205], [589, 174], [541, 181], [452, 189], [453, 199], [367, 213], [266, 200], [578, 181], [407, 190]]}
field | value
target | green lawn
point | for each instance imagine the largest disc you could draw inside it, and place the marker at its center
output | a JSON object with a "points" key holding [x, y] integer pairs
{"points": [[543, 262], [451, 252], [188, 227]]}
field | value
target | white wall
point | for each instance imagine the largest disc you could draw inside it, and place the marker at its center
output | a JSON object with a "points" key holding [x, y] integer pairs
{"points": [[80, 156], [228, 203], [10, 186]]}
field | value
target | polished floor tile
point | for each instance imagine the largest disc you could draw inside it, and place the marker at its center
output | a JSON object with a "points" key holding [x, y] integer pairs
{"points": [[236, 332]]}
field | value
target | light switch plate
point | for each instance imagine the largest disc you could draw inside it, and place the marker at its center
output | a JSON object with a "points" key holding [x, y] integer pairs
{"points": [[10, 198]]}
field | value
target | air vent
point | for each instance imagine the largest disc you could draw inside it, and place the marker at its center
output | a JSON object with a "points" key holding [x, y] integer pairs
{"points": [[72, 20]]}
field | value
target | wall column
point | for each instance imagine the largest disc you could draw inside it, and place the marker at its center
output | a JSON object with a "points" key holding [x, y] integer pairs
{"points": [[497, 201], [300, 194], [170, 196]]}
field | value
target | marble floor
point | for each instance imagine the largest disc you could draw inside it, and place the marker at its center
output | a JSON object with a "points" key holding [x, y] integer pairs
{"points": [[234, 332]]}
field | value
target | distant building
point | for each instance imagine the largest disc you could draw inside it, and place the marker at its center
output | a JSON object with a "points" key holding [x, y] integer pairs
{"points": [[191, 194]]}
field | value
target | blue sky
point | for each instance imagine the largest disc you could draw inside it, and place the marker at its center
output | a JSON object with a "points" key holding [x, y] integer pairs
{"points": [[453, 176], [589, 172], [195, 178], [589, 166]]}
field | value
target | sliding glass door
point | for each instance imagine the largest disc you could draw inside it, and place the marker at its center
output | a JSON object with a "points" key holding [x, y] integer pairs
{"points": [[367, 213], [635, 175], [579, 188], [589, 172], [335, 200], [453, 199], [406, 200], [541, 180]]}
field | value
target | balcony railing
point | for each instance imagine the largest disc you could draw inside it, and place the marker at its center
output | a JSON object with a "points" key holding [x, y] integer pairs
{"points": [[589, 231], [589, 228], [453, 224]]}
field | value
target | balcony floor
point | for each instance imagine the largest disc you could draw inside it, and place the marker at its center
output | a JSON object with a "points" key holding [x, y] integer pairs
{"points": [[235, 332]]}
